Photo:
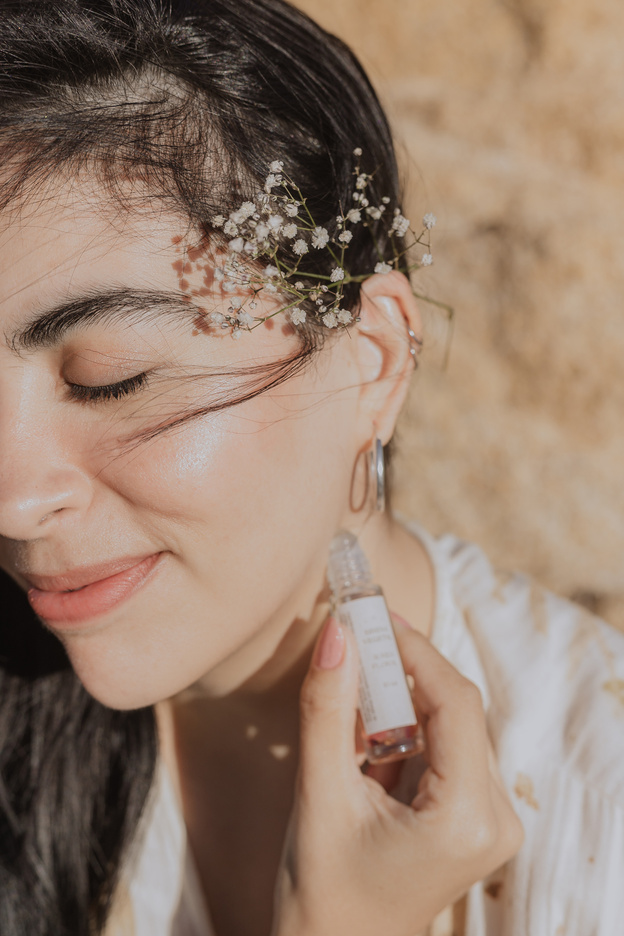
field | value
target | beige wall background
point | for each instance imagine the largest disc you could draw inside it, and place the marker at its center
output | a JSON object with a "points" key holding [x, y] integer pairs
{"points": [[510, 118]]}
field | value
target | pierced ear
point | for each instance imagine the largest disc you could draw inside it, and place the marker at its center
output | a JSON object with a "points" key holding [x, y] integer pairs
{"points": [[388, 312]]}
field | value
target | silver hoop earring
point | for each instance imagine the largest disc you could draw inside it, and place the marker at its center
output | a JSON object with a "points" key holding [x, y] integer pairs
{"points": [[377, 467]]}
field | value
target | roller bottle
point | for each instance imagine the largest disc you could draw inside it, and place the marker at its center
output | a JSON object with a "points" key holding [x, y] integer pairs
{"points": [[389, 726]]}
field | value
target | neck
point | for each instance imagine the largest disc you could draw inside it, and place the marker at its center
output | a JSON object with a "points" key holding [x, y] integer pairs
{"points": [[398, 563]]}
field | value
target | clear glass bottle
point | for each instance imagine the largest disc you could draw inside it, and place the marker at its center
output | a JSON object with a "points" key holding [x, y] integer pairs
{"points": [[389, 726]]}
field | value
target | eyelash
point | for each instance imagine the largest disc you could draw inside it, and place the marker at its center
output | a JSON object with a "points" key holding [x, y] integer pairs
{"points": [[114, 391]]}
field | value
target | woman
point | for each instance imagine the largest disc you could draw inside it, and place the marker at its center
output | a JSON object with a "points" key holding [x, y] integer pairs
{"points": [[183, 760]]}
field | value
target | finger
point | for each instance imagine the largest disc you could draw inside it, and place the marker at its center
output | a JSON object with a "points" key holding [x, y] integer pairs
{"points": [[450, 710], [385, 774], [328, 703]]}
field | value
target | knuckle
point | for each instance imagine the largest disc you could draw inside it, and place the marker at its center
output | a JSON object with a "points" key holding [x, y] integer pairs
{"points": [[471, 695], [512, 834], [484, 834], [474, 833], [313, 704]]}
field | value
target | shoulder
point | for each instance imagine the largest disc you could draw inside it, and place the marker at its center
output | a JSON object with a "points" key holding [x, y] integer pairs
{"points": [[552, 680], [554, 672]]}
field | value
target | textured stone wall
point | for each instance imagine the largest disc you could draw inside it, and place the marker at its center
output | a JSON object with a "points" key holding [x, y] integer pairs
{"points": [[510, 118]]}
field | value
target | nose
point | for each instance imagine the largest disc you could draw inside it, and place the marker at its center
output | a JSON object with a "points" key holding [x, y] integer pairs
{"points": [[41, 481]]}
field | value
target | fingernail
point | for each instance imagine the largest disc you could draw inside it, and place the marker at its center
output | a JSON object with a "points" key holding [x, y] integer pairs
{"points": [[330, 649], [401, 621]]}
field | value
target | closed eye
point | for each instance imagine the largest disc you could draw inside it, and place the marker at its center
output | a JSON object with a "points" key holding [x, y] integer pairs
{"points": [[115, 391]]}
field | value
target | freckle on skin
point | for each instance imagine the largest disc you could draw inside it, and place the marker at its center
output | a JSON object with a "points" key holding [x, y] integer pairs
{"points": [[194, 253], [269, 324], [288, 329], [184, 284], [188, 268], [176, 240], [178, 266], [201, 325], [203, 291]]}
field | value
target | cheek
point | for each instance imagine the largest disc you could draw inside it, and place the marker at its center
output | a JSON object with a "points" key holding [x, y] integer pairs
{"points": [[267, 459], [247, 503]]}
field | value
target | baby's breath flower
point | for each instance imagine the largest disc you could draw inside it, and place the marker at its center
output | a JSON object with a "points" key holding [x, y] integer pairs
{"points": [[254, 231], [400, 225], [320, 238], [245, 211], [245, 319], [297, 316]]}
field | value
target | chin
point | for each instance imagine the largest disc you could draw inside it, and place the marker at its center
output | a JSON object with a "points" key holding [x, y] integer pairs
{"points": [[119, 681]]}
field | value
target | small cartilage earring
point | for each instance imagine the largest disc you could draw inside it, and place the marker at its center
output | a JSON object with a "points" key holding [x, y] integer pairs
{"points": [[415, 344]]}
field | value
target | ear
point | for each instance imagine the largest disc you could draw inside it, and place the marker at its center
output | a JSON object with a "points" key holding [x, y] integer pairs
{"points": [[388, 311]]}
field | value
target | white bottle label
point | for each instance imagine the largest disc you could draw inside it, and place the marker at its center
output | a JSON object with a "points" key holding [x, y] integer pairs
{"points": [[385, 700]]}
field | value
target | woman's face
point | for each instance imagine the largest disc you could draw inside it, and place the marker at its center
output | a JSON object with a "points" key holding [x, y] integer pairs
{"points": [[217, 530]]}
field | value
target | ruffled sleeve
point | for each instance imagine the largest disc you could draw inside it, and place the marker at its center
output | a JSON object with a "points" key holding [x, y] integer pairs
{"points": [[555, 680]]}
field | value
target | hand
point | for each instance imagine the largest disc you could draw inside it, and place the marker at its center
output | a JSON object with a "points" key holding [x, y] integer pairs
{"points": [[356, 861]]}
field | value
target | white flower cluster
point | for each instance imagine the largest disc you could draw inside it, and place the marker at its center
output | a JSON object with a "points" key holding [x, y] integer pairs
{"points": [[267, 239]]}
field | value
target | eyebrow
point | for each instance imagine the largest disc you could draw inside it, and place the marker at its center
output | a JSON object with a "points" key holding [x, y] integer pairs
{"points": [[50, 327]]}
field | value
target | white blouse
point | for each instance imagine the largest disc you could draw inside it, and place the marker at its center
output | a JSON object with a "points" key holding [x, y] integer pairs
{"points": [[552, 680]]}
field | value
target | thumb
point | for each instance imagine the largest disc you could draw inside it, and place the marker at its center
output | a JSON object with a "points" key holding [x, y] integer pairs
{"points": [[328, 701]]}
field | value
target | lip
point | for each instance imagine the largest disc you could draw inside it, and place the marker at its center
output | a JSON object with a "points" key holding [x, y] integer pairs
{"points": [[81, 594]]}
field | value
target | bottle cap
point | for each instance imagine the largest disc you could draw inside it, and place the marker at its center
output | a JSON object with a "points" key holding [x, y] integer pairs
{"points": [[347, 567]]}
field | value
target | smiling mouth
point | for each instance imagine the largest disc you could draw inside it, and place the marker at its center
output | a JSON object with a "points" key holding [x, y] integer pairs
{"points": [[66, 607]]}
